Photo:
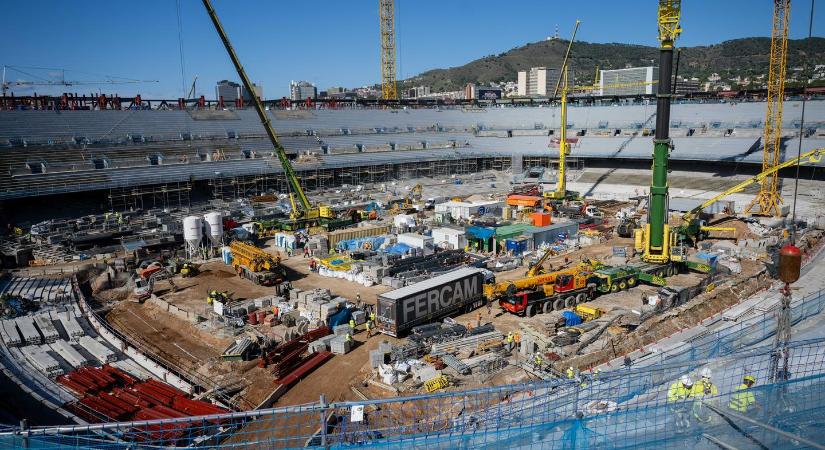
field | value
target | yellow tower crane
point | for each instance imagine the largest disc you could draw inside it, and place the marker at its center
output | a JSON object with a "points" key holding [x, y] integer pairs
{"points": [[386, 13], [768, 199], [564, 149]]}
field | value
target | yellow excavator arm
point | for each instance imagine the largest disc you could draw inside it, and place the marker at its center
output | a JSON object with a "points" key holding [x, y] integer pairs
{"points": [[812, 156]]}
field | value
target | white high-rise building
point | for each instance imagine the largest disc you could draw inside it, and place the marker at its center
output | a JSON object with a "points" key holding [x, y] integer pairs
{"points": [[302, 90], [631, 81], [540, 81]]}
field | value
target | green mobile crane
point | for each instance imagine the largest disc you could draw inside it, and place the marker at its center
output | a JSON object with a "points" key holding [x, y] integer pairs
{"points": [[303, 212], [656, 239]]}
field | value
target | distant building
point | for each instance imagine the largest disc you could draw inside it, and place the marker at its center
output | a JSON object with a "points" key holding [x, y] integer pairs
{"points": [[540, 81], [229, 90], [259, 92], [418, 91], [302, 90], [475, 92], [686, 86], [336, 90], [631, 81]]}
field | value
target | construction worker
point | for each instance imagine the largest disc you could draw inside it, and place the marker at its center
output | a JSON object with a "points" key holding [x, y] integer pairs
{"points": [[517, 339], [743, 398], [358, 300], [489, 308], [571, 373], [538, 361], [678, 393], [510, 341], [348, 337], [479, 319], [369, 329], [372, 317], [352, 326], [703, 388]]}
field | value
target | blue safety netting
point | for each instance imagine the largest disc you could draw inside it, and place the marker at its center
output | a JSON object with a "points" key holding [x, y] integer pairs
{"points": [[627, 407]]}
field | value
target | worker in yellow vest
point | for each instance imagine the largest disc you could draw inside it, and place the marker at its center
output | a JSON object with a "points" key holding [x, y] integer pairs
{"points": [[743, 399], [538, 361], [703, 388], [369, 329], [510, 341], [680, 392], [571, 373], [352, 326]]}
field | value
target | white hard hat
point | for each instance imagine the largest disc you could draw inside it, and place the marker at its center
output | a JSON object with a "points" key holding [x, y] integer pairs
{"points": [[705, 373], [686, 380]]}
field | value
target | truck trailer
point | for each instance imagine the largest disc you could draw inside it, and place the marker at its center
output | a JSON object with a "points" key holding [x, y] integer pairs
{"points": [[430, 300]]}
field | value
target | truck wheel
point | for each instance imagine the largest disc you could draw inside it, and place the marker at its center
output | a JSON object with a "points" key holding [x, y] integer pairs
{"points": [[622, 285], [558, 305], [569, 302], [531, 311], [671, 271], [581, 298], [547, 307], [614, 288]]}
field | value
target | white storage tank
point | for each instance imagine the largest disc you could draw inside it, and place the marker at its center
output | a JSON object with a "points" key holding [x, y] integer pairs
{"points": [[192, 232], [214, 227]]}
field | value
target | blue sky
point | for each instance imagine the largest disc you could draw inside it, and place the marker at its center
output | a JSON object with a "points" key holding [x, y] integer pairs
{"points": [[328, 42]]}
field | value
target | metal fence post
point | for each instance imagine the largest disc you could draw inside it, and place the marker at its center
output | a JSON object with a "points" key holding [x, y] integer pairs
{"points": [[323, 403], [24, 432]]}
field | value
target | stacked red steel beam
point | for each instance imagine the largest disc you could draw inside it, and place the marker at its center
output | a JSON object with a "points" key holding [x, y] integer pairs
{"points": [[307, 365], [110, 394]]}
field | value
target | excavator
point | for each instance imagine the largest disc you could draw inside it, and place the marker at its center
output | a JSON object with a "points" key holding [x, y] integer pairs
{"points": [[303, 213], [693, 229]]}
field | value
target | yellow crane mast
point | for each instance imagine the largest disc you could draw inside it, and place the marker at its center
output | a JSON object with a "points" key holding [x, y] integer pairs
{"points": [[561, 183], [386, 13], [768, 199]]}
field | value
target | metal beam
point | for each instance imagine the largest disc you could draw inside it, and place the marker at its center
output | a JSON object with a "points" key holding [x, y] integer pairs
{"points": [[730, 414]]}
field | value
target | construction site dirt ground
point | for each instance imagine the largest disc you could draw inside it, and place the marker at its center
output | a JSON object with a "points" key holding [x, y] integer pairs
{"points": [[192, 292]]}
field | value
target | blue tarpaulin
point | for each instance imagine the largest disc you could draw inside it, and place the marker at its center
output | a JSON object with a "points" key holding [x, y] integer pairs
{"points": [[571, 319], [398, 249], [481, 232], [339, 318], [371, 243]]}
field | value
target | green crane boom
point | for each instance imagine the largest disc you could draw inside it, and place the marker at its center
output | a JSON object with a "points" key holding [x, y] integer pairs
{"points": [[292, 179], [657, 233]]}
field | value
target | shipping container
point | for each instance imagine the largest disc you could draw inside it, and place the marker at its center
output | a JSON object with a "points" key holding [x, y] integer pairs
{"points": [[449, 238], [517, 245], [540, 219], [429, 300], [551, 233]]}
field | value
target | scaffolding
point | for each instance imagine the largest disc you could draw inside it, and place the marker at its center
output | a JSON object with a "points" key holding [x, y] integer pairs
{"points": [[317, 178], [161, 196]]}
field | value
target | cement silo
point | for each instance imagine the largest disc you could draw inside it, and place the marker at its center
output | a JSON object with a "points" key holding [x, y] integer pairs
{"points": [[193, 235], [214, 228]]}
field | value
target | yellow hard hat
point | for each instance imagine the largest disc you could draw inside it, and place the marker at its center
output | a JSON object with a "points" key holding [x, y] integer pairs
{"points": [[750, 378]]}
